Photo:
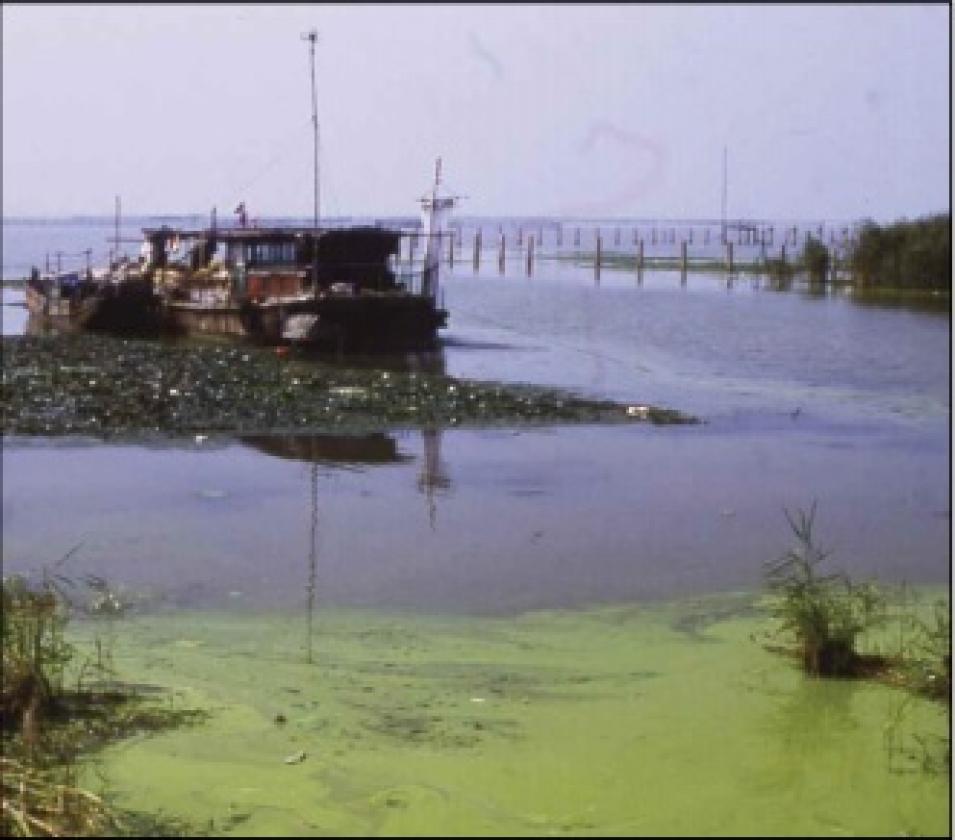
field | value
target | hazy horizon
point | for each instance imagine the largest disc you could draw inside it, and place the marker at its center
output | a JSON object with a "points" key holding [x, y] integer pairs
{"points": [[827, 112]]}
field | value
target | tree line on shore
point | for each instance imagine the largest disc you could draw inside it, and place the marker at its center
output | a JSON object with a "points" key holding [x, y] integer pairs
{"points": [[904, 255]]}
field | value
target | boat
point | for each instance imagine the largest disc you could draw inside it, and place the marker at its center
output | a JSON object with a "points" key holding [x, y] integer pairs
{"points": [[119, 300], [334, 288]]}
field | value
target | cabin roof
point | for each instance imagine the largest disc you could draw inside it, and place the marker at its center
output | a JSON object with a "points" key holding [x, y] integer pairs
{"points": [[260, 234]]}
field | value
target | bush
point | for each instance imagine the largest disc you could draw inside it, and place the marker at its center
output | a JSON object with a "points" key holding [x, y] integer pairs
{"points": [[815, 260], [905, 255], [825, 613]]}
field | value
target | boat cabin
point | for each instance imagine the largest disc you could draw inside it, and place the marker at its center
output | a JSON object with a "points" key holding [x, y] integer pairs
{"points": [[271, 263]]}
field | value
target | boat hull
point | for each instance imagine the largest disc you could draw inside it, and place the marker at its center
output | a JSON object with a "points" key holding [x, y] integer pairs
{"points": [[346, 323]]}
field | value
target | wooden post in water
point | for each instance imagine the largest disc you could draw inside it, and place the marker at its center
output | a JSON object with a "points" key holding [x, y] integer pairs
{"points": [[59, 261], [597, 259], [520, 236], [683, 262], [501, 254], [560, 234], [616, 236], [530, 255], [729, 256], [640, 262], [782, 253], [477, 250], [576, 237], [451, 251]]}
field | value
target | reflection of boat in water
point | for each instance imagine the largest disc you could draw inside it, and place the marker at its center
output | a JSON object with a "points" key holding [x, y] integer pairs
{"points": [[375, 448]]}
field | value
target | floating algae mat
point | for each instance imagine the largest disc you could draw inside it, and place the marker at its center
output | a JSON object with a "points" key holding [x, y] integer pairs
{"points": [[644, 720], [89, 385]]}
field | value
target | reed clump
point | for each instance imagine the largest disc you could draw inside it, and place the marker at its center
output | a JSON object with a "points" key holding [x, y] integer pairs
{"points": [[55, 705], [827, 615], [825, 612]]}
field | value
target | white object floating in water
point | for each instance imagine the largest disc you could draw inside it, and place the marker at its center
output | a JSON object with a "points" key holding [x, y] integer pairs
{"points": [[296, 758], [477, 699]]}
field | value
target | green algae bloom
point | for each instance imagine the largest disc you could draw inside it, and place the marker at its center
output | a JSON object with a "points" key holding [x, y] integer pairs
{"points": [[662, 719]]}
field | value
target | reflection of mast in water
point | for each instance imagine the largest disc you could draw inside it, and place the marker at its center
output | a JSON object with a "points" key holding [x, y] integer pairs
{"points": [[312, 558], [432, 476]]}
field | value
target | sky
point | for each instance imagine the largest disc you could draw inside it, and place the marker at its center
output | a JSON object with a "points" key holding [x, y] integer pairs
{"points": [[826, 111]]}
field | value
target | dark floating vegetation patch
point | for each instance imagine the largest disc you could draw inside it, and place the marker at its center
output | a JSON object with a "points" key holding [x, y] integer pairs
{"points": [[88, 385]]}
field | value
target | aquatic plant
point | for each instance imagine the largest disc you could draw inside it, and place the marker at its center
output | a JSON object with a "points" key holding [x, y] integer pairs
{"points": [[35, 653], [928, 658], [904, 255], [46, 723], [815, 260], [89, 385], [825, 612]]}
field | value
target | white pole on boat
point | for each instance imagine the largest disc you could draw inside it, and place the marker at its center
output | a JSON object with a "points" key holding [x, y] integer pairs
{"points": [[118, 212]]}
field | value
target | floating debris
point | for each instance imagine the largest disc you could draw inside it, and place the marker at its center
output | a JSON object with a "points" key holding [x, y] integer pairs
{"points": [[107, 387]]}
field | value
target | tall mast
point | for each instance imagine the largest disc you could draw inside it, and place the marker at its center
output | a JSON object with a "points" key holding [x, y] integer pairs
{"points": [[312, 38]]}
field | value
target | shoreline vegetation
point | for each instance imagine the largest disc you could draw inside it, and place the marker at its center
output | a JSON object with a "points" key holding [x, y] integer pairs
{"points": [[60, 703]]}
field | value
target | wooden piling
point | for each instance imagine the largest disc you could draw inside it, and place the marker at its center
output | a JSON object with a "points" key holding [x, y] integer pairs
{"points": [[477, 250], [683, 262], [597, 258], [577, 237], [530, 255], [520, 236], [729, 256], [451, 251], [616, 237], [640, 262], [501, 254]]}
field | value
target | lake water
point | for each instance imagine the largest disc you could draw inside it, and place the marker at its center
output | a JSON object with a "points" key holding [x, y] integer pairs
{"points": [[513, 628], [806, 399]]}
